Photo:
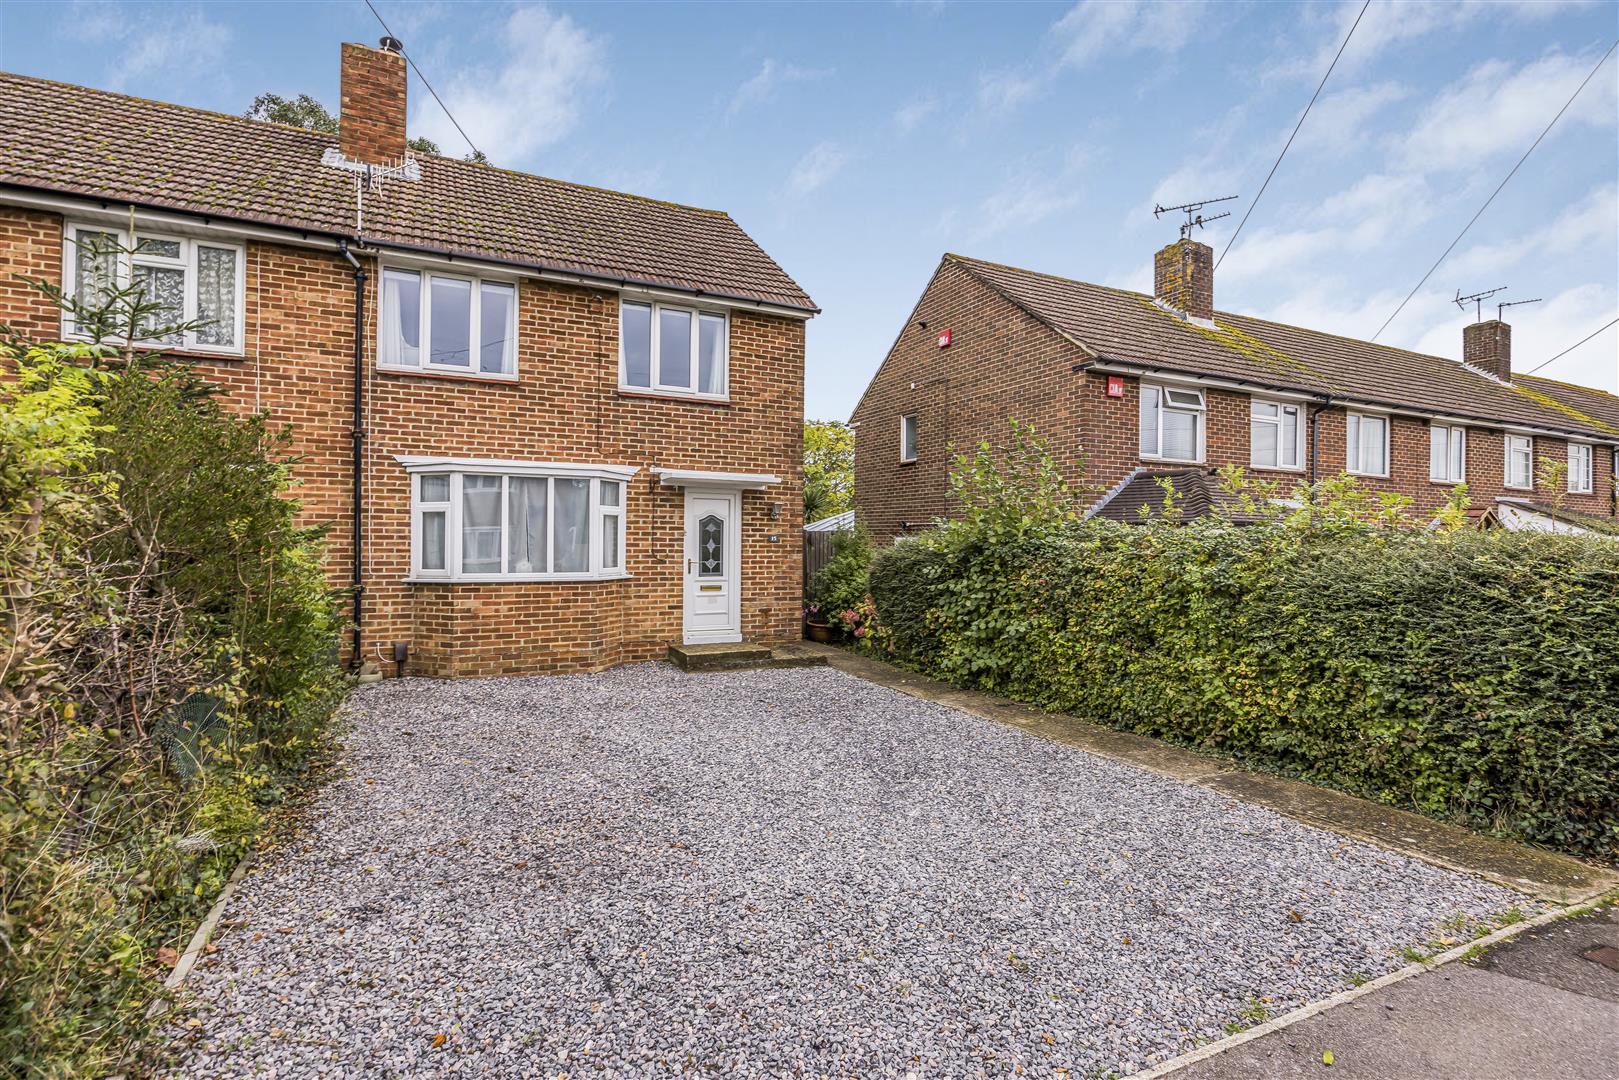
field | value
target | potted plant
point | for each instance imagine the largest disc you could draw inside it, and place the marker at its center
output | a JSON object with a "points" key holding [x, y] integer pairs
{"points": [[817, 627]]}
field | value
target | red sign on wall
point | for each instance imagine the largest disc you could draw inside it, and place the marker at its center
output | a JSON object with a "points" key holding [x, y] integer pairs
{"points": [[944, 338], [1115, 386]]}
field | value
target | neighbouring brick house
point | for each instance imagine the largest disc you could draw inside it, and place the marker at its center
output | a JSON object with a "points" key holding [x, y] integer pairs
{"points": [[577, 414], [1127, 389]]}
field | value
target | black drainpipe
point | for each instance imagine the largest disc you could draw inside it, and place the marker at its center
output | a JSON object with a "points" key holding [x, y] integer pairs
{"points": [[358, 444]]}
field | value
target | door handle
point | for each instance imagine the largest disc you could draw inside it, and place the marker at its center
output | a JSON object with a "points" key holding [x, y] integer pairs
{"points": [[688, 566]]}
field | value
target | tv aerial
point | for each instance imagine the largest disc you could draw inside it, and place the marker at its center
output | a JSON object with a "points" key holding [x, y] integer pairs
{"points": [[1477, 300], [1499, 308], [1193, 218]]}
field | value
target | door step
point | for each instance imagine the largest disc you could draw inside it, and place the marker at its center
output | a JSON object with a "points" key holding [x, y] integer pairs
{"points": [[740, 656]]}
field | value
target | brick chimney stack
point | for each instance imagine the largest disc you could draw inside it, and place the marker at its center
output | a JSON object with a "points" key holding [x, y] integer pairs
{"points": [[1488, 345], [372, 125], [1183, 278]]}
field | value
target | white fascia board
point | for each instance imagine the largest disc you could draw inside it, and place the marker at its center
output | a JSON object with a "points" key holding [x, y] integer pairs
{"points": [[697, 478], [1186, 378], [114, 213], [415, 463]]}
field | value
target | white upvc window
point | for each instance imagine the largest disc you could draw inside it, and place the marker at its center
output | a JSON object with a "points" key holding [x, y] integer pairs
{"points": [[1367, 453], [1172, 423], [1520, 463], [191, 280], [907, 438], [669, 349], [488, 522], [1579, 468], [1447, 454], [1276, 435], [434, 321]]}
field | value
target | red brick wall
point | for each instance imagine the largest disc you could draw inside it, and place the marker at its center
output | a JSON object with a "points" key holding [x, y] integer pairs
{"points": [[564, 407], [371, 124], [1003, 363]]}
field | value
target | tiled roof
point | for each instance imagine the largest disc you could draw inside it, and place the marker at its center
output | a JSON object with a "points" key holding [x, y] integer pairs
{"points": [[1128, 327], [1196, 493], [80, 141]]}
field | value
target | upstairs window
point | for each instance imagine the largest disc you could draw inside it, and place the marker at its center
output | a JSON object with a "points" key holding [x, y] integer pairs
{"points": [[1276, 435], [476, 525], [907, 438], [673, 350], [1520, 470], [1172, 422], [1368, 451], [1579, 468], [431, 321], [189, 280], [1447, 454]]}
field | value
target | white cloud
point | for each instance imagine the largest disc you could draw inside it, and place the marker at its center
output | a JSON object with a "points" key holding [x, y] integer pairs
{"points": [[1002, 91], [1025, 200], [1338, 122], [1539, 332], [1498, 109], [142, 44], [529, 98], [910, 115], [761, 87], [823, 161], [1593, 220]]}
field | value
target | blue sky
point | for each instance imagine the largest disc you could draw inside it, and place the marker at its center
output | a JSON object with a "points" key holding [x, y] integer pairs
{"points": [[858, 142]]}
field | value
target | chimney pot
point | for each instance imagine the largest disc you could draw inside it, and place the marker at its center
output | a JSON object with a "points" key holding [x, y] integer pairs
{"points": [[1183, 278], [371, 127], [1488, 345]]}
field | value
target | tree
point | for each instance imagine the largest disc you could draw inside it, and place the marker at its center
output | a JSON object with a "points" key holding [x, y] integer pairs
{"points": [[828, 468], [305, 112]]}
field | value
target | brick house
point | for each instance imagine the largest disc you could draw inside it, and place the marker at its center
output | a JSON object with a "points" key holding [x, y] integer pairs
{"points": [[1128, 389], [551, 427]]}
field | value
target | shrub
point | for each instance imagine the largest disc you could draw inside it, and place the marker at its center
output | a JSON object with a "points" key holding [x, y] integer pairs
{"points": [[147, 552], [841, 585], [1468, 675]]}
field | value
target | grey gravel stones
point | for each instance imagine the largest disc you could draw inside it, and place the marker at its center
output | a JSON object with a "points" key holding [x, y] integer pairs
{"points": [[649, 873]]}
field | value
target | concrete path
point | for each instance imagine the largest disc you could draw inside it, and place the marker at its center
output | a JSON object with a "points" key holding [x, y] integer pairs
{"points": [[1533, 1009]]}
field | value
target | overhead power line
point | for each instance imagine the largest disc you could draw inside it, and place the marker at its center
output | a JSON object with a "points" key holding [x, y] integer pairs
{"points": [[1572, 347], [1496, 192], [1290, 138], [478, 153]]}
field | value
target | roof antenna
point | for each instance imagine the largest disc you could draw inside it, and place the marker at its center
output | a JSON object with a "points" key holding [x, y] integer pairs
{"points": [[1499, 308], [1477, 300], [1192, 208]]}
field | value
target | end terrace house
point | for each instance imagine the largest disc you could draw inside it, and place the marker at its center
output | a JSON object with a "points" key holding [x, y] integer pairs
{"points": [[1134, 391], [550, 427]]}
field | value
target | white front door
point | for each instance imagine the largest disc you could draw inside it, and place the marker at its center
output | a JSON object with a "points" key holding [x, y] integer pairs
{"points": [[713, 580]]}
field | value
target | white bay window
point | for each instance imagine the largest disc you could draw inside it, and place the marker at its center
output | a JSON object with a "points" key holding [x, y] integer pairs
{"points": [[188, 280], [668, 349], [1276, 435], [1447, 454], [440, 322], [512, 521], [1172, 423], [1368, 451]]}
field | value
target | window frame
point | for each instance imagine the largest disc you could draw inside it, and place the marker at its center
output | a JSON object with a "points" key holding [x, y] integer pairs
{"points": [[1528, 442], [656, 386], [424, 315], [186, 261], [1452, 433], [912, 422], [1199, 411], [1279, 421], [1589, 454], [454, 510], [1352, 451]]}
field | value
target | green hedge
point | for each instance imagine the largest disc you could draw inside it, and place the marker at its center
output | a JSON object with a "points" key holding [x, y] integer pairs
{"points": [[1473, 676]]}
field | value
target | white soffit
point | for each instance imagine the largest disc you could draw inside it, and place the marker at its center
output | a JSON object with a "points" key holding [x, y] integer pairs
{"points": [[729, 481]]}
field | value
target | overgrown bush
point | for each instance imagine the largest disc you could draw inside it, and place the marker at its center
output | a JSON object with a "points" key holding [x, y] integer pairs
{"points": [[165, 666], [1473, 676]]}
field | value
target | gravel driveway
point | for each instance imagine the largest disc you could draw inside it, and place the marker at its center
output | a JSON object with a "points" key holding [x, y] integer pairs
{"points": [[647, 872]]}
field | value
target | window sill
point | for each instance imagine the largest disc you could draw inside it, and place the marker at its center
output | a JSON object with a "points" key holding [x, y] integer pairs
{"points": [[179, 353], [664, 395], [1171, 461], [1368, 475], [453, 376], [1519, 487], [1296, 470], [907, 461], [516, 579], [1445, 483]]}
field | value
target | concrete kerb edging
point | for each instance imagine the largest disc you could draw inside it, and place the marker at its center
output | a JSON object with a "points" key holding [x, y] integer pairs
{"points": [[1315, 1008], [204, 934]]}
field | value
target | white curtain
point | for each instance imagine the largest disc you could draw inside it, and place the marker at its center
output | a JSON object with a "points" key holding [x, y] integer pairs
{"points": [[525, 519]]}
